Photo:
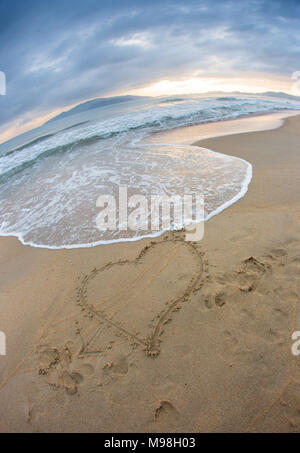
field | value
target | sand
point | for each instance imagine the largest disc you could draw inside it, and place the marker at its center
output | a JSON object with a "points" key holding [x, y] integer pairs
{"points": [[164, 335]]}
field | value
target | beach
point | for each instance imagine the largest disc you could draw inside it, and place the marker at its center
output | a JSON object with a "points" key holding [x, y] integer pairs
{"points": [[164, 335]]}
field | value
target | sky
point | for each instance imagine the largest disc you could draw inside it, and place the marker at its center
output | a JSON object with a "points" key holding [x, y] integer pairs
{"points": [[57, 53]]}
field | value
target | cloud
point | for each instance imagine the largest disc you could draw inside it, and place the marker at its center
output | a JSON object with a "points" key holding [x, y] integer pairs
{"points": [[62, 52]]}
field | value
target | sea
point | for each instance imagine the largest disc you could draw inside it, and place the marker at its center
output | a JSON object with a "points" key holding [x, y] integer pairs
{"points": [[51, 177]]}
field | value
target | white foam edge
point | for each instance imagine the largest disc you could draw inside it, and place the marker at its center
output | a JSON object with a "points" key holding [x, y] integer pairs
{"points": [[221, 208]]}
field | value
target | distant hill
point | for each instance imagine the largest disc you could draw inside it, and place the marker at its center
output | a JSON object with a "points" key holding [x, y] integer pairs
{"points": [[102, 102], [94, 104], [281, 94], [273, 94]]}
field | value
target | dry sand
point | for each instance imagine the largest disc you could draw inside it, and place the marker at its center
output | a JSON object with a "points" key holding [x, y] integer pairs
{"points": [[164, 335]]}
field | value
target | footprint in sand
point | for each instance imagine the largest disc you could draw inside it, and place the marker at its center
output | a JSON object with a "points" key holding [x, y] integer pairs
{"points": [[166, 412], [213, 297], [54, 365]]}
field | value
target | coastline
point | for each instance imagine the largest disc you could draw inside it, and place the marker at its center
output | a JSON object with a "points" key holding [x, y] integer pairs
{"points": [[182, 136], [256, 122], [233, 359]]}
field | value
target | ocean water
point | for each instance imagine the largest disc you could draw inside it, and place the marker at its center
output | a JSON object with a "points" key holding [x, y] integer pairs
{"points": [[51, 178]]}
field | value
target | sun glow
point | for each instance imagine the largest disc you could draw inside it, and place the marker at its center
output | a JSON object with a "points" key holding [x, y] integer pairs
{"points": [[205, 84], [256, 83]]}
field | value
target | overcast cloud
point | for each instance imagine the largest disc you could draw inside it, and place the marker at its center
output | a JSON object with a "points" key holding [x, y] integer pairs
{"points": [[60, 52]]}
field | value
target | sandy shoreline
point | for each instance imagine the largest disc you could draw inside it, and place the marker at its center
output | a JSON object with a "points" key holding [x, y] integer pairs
{"points": [[158, 335]]}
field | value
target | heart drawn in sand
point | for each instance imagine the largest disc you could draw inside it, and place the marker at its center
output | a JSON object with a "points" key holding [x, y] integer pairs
{"points": [[137, 298]]}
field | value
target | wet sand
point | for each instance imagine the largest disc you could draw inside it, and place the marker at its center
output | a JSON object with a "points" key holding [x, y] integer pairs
{"points": [[163, 335]]}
